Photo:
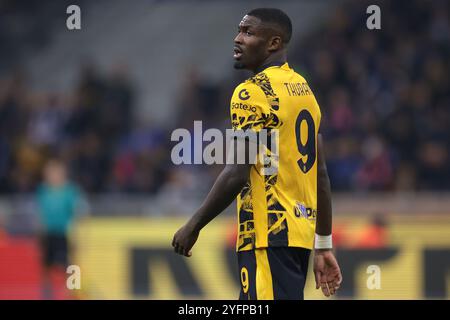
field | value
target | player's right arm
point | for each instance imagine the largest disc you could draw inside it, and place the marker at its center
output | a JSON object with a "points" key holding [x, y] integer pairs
{"points": [[326, 269], [247, 113]]}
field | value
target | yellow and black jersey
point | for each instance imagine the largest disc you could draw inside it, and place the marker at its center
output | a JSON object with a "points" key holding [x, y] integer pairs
{"points": [[279, 210]]}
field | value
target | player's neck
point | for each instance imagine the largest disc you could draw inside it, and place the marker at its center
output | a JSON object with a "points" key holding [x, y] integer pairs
{"points": [[276, 59]]}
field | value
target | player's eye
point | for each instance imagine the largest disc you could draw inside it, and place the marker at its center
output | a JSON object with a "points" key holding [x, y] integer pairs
{"points": [[246, 32]]}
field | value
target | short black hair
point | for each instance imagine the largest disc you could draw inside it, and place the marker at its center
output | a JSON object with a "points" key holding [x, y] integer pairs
{"points": [[276, 17]]}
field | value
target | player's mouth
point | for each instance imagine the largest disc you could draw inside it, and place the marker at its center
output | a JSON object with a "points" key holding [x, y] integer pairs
{"points": [[237, 53]]}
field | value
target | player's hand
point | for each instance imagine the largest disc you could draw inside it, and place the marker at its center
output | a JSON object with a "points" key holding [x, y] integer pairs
{"points": [[327, 272], [184, 239]]}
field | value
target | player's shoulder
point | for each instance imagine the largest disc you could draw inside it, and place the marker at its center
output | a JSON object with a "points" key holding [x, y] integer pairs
{"points": [[248, 90], [300, 76]]}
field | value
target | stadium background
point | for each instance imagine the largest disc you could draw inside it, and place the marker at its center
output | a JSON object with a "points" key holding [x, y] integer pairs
{"points": [[107, 97]]}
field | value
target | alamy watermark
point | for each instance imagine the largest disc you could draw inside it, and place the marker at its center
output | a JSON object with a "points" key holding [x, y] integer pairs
{"points": [[262, 147], [374, 280], [374, 20], [73, 21], [73, 282]]}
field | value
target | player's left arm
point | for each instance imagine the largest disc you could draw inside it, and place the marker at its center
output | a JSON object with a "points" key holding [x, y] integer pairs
{"points": [[225, 189], [326, 268], [324, 222]]}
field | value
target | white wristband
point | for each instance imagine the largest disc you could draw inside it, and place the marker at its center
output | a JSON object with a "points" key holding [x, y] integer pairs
{"points": [[323, 242]]}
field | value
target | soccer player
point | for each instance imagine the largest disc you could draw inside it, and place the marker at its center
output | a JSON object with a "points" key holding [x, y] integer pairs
{"points": [[284, 215]]}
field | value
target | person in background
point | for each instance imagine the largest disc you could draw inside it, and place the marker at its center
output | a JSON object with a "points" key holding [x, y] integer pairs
{"points": [[59, 201]]}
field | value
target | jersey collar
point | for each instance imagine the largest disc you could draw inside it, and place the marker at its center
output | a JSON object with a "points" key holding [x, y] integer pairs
{"points": [[270, 64]]}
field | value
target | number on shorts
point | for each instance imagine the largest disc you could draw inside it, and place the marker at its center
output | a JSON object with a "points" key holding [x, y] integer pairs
{"points": [[244, 279]]}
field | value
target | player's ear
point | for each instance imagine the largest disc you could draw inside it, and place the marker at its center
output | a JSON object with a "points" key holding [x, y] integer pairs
{"points": [[275, 43]]}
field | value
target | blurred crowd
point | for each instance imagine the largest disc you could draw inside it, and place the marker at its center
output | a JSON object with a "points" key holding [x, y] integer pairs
{"points": [[384, 96], [90, 129]]}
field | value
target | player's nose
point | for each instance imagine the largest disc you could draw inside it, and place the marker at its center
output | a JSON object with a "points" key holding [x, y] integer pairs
{"points": [[238, 38]]}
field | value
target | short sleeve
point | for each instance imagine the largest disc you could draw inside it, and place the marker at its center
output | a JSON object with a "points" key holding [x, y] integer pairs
{"points": [[249, 107]]}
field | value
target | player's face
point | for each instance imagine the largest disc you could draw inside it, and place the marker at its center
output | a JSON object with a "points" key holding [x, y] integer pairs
{"points": [[250, 44]]}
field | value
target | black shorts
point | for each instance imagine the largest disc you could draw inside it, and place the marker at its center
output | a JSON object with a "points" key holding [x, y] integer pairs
{"points": [[54, 250], [273, 273]]}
